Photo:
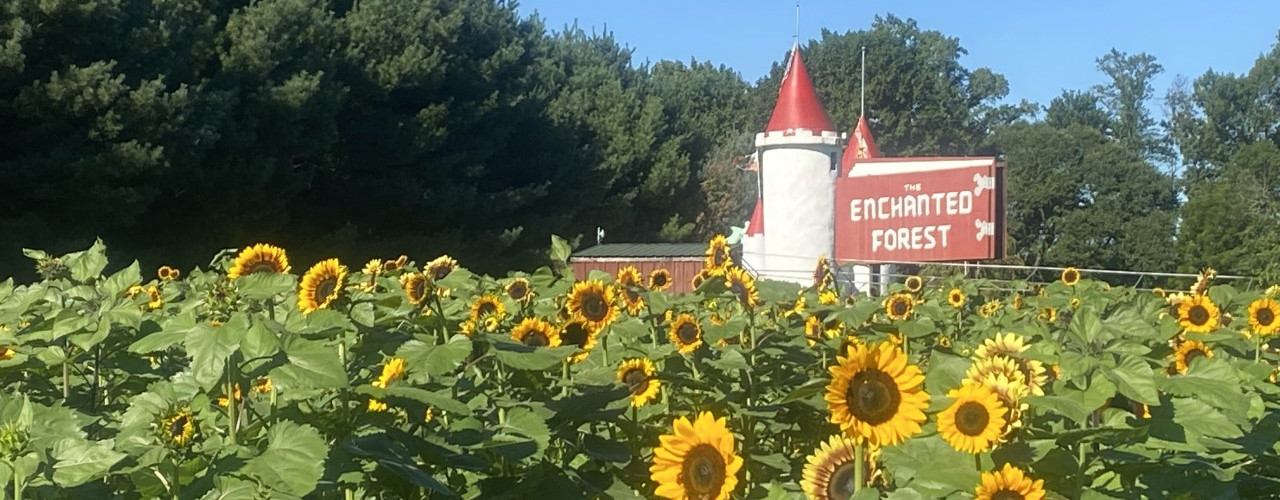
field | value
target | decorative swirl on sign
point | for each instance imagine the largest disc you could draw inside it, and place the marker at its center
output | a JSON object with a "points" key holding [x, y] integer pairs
{"points": [[983, 182], [985, 228]]}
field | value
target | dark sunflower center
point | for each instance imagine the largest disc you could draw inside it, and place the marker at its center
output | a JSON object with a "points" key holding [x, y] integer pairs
{"points": [[575, 334], [631, 295], [659, 279], [1193, 354], [325, 288], [517, 291], [740, 289], [178, 426], [419, 289], [703, 472], [687, 332], [486, 308], [636, 380], [718, 258], [1071, 277], [1265, 316], [972, 419], [536, 339], [594, 307], [263, 266], [1199, 315], [873, 396], [913, 284], [899, 307], [955, 298], [439, 272], [1006, 495], [841, 482]]}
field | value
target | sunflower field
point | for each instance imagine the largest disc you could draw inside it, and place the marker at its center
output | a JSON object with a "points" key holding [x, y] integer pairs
{"points": [[395, 378]]}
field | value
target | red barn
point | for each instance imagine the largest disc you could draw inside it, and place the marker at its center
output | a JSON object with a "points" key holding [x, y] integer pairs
{"points": [[682, 260]]}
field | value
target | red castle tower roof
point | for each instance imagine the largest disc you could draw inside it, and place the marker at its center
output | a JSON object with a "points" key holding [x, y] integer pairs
{"points": [[755, 227], [798, 105], [861, 146]]}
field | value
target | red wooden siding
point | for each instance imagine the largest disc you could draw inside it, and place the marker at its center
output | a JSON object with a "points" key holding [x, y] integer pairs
{"points": [[682, 269]]}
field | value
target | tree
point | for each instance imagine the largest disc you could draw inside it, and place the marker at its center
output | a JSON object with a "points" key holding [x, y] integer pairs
{"points": [[1126, 97]]}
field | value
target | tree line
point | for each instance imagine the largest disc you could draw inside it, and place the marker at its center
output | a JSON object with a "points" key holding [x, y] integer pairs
{"points": [[369, 129]]}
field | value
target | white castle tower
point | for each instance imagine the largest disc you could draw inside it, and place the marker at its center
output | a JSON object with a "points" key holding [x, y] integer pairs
{"points": [[799, 157]]}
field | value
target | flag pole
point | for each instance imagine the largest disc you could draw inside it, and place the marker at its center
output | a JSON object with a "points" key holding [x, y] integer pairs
{"points": [[862, 105]]}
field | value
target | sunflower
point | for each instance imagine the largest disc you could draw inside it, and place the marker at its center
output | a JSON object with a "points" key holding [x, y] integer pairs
{"points": [[1263, 316], [1159, 292], [989, 308], [440, 268], [1017, 301], [415, 287], [392, 370], [262, 385], [899, 306], [1070, 276], [791, 309], [179, 429], [998, 364], [260, 258], [628, 282], [1198, 314], [956, 298], [944, 341], [1075, 303], [1188, 351], [377, 406], [486, 306], [1202, 281], [828, 472], [154, 299], [535, 332], [822, 275], [1009, 483], [637, 375], [717, 253], [659, 279], [696, 461], [1011, 393], [743, 285], [167, 273], [395, 265], [518, 290], [973, 422], [828, 297], [704, 275], [875, 396], [1048, 314], [593, 301], [1010, 344], [914, 284], [373, 267], [224, 402], [6, 353], [577, 333], [321, 285], [813, 331], [685, 333]]}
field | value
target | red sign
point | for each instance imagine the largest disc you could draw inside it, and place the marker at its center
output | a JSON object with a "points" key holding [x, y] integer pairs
{"points": [[920, 210]]}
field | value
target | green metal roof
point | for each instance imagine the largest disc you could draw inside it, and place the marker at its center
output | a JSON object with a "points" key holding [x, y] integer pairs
{"points": [[643, 250]]}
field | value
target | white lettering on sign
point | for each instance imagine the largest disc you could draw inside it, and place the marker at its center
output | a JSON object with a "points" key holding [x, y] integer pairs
{"points": [[910, 238], [921, 205]]}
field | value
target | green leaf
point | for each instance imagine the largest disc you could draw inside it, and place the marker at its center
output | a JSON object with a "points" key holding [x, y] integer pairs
{"points": [[262, 286], [1135, 379], [232, 489], [120, 282], [599, 448], [807, 390], [259, 341], [931, 467], [1212, 381], [88, 264], [77, 461], [525, 422], [435, 400], [294, 459], [523, 357], [312, 365], [209, 347], [730, 361], [1085, 325], [1199, 418], [1067, 407], [435, 359], [560, 249]]}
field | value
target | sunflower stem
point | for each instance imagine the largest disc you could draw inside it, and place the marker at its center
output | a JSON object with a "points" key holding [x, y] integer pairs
{"points": [[564, 378], [17, 479], [1257, 348], [977, 462], [66, 371], [857, 469], [176, 488], [232, 404]]}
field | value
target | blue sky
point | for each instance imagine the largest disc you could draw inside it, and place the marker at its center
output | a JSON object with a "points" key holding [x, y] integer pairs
{"points": [[1041, 47]]}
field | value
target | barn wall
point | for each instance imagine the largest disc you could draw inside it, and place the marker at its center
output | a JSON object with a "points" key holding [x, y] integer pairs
{"points": [[682, 270]]}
